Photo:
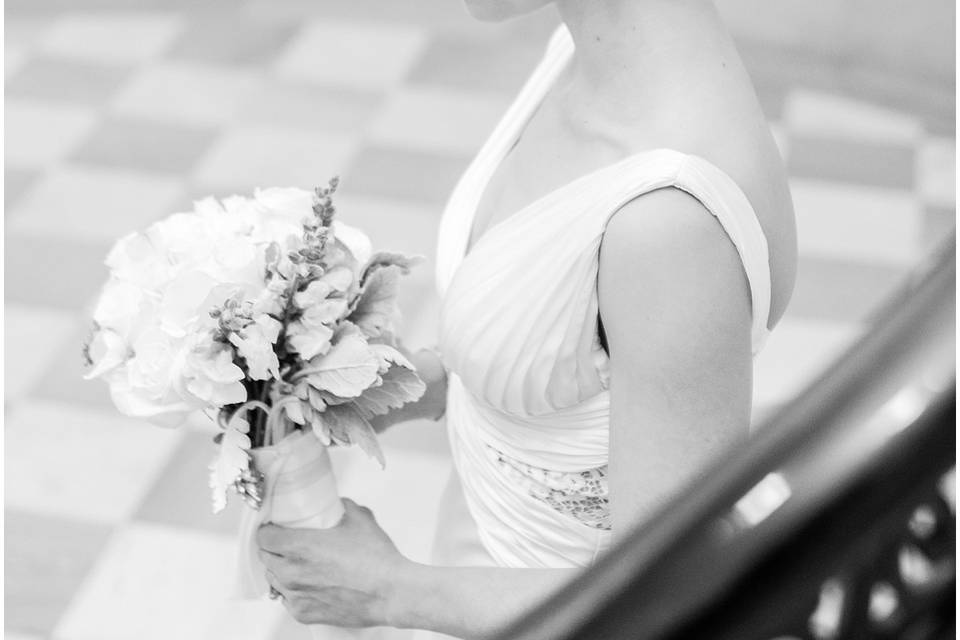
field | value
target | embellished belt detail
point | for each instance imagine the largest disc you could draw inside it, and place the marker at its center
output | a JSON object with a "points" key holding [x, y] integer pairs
{"points": [[536, 487]]}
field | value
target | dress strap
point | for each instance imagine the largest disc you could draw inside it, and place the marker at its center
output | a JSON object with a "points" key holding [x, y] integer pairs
{"points": [[721, 196], [456, 224]]}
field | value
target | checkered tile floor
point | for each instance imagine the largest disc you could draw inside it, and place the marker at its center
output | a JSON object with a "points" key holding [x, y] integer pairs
{"points": [[126, 111]]}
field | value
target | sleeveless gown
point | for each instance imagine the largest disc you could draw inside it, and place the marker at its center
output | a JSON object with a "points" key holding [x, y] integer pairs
{"points": [[528, 401]]}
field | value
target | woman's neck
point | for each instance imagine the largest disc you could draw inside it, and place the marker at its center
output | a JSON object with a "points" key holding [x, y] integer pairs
{"points": [[628, 49]]}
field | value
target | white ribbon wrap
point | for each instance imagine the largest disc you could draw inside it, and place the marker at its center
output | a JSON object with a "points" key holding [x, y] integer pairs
{"points": [[300, 491]]}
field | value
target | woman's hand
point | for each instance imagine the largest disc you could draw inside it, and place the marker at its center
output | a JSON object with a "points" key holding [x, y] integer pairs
{"points": [[340, 576], [432, 404]]}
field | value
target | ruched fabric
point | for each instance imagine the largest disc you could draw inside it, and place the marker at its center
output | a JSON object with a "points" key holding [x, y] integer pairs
{"points": [[519, 326]]}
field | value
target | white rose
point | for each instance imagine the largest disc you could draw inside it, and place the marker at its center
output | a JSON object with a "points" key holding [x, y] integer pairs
{"points": [[119, 306], [356, 241], [213, 376], [148, 384], [188, 299], [281, 212], [183, 237], [135, 259], [107, 350], [169, 410]]}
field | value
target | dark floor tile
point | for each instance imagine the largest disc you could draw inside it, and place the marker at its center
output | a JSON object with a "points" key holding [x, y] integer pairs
{"points": [[45, 561], [455, 62], [150, 146], [407, 175], [939, 223], [66, 81], [180, 496], [772, 97], [853, 161], [15, 183], [232, 38]]}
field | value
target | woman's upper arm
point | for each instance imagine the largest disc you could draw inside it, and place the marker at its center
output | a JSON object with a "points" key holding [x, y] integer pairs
{"points": [[675, 306]]}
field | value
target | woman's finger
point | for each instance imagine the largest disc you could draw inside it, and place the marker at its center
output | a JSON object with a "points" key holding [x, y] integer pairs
{"points": [[280, 541], [276, 589]]}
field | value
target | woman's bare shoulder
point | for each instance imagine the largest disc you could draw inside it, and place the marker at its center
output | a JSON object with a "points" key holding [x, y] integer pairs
{"points": [[750, 156], [747, 152]]}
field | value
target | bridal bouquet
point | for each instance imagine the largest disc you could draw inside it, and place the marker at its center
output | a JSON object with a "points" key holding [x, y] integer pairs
{"points": [[276, 320]]}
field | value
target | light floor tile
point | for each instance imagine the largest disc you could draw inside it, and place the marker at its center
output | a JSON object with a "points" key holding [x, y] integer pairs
{"points": [[393, 225], [251, 157], [78, 275], [45, 561], [290, 629], [40, 134], [427, 437], [63, 460], [186, 93], [419, 310], [365, 56], [405, 496], [110, 37], [851, 222], [836, 290], [296, 104], [94, 203], [813, 112], [152, 583], [62, 380], [937, 172], [795, 354], [32, 338], [247, 620], [435, 119]]}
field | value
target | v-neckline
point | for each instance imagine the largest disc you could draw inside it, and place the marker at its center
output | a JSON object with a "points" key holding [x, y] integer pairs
{"points": [[494, 156]]}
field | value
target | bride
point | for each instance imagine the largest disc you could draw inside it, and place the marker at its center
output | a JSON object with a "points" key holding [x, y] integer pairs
{"points": [[608, 265]]}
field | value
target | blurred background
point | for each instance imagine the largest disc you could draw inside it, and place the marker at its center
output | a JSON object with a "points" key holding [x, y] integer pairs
{"points": [[119, 112]]}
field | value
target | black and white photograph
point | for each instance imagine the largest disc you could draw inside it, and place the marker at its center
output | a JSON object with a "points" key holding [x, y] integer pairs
{"points": [[479, 320]]}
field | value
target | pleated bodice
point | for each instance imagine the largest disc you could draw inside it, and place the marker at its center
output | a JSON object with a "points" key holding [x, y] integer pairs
{"points": [[519, 325]]}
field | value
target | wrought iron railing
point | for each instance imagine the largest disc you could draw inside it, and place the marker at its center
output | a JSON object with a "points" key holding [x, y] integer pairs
{"points": [[838, 519]]}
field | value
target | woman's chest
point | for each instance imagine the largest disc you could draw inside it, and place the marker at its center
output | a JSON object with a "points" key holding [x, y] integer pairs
{"points": [[548, 155]]}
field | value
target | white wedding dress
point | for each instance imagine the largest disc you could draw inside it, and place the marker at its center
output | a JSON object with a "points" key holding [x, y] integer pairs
{"points": [[528, 406]]}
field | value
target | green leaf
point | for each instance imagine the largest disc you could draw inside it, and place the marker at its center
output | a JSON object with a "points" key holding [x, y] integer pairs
{"points": [[316, 399], [346, 370], [400, 385], [386, 259], [231, 461], [347, 426], [377, 306]]}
